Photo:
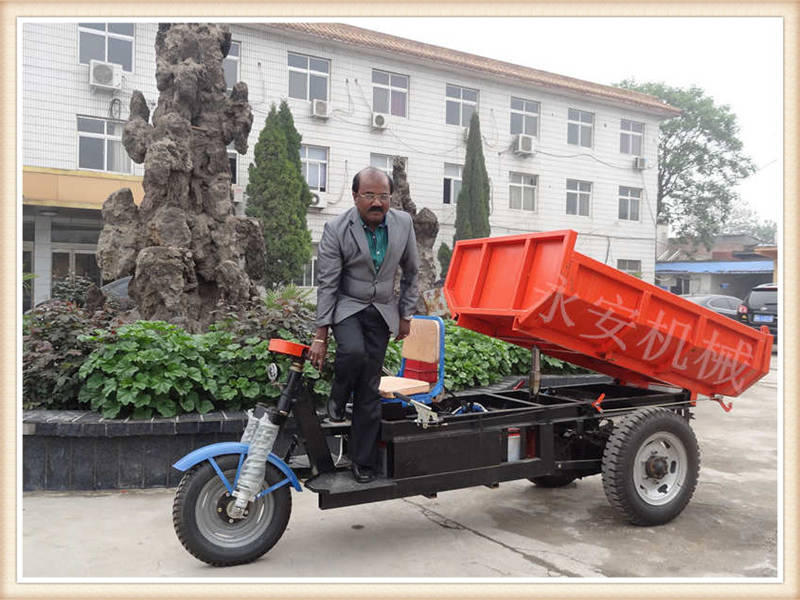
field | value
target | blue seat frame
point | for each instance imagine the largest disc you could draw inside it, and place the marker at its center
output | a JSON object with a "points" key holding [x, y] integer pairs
{"points": [[438, 387]]}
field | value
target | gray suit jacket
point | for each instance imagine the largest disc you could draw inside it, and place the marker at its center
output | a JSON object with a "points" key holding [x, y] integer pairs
{"points": [[347, 281]]}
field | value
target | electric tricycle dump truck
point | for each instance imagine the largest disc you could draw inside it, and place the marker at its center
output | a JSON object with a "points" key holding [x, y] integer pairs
{"points": [[660, 351]]}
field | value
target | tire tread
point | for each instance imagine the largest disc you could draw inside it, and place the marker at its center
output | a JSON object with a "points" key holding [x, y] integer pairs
{"points": [[177, 522], [613, 467]]}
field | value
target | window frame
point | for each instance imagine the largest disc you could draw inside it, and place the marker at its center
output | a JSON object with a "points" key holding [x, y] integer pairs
{"points": [[524, 113], [389, 159], [237, 60], [304, 164], [461, 103], [309, 269], [390, 89], [308, 71], [628, 198], [631, 134], [578, 191], [105, 137], [106, 34], [523, 186], [453, 198], [629, 271], [233, 155], [581, 124]]}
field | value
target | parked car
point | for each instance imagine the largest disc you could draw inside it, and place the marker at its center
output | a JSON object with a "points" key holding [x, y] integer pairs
{"points": [[724, 305], [760, 307]]}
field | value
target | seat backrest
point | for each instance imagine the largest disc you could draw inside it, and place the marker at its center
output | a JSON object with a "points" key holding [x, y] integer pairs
{"points": [[422, 343]]}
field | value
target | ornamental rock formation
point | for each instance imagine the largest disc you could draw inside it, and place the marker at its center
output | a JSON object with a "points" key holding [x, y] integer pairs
{"points": [[184, 246]]}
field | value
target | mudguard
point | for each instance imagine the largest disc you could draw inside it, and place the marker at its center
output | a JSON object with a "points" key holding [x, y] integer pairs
{"points": [[221, 448]]}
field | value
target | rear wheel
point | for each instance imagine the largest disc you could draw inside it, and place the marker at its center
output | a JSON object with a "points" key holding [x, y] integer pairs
{"points": [[208, 532], [650, 466]]}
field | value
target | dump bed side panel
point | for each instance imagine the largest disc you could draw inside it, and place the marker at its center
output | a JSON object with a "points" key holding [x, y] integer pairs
{"points": [[535, 290]]}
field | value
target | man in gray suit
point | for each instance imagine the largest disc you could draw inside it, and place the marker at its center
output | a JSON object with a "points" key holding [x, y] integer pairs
{"points": [[357, 260]]}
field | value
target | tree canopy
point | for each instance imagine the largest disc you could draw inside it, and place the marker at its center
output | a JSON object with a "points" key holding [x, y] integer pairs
{"points": [[278, 196], [472, 204], [700, 161], [744, 219]]}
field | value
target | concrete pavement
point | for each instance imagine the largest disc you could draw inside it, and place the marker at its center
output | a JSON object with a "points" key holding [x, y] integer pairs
{"points": [[729, 528]]}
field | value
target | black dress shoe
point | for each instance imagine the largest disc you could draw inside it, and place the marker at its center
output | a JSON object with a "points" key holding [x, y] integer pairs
{"points": [[362, 474], [335, 412]]}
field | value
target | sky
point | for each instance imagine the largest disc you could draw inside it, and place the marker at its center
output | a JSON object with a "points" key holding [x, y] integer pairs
{"points": [[738, 61]]}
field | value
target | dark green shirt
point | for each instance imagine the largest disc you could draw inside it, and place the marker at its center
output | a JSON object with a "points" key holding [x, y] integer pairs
{"points": [[378, 242]]}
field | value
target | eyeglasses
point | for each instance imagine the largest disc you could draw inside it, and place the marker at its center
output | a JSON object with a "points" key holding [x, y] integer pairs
{"points": [[369, 197]]}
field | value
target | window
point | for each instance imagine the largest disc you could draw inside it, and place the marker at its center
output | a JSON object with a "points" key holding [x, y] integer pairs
{"points": [[522, 191], [308, 77], [579, 127], [632, 267], [524, 116], [100, 146], [233, 160], [578, 195], [629, 203], [309, 277], [109, 42], [389, 93], [452, 183], [69, 263], [230, 66], [385, 162], [315, 166], [681, 286], [460, 104], [631, 135]]}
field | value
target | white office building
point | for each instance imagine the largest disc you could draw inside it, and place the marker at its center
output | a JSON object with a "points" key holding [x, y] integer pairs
{"points": [[561, 153]]}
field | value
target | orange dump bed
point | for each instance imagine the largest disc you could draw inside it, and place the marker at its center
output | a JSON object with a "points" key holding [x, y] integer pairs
{"points": [[536, 290]]}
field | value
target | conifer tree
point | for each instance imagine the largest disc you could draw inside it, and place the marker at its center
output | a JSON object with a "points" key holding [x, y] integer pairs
{"points": [[472, 205], [293, 139], [276, 196]]}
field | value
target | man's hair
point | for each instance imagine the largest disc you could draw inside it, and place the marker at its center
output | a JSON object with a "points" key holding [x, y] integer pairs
{"points": [[357, 177]]}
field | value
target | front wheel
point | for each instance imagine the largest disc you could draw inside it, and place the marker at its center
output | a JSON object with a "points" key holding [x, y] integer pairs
{"points": [[650, 466], [199, 515]]}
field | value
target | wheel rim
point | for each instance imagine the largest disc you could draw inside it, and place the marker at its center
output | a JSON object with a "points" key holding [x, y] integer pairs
{"points": [[215, 528], [659, 470]]}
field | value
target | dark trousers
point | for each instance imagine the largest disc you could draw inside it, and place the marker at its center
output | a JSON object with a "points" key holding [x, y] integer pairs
{"points": [[361, 341]]}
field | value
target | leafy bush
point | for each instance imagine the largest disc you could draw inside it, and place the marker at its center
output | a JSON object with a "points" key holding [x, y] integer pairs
{"points": [[144, 366], [52, 352], [285, 313], [149, 367], [72, 289]]}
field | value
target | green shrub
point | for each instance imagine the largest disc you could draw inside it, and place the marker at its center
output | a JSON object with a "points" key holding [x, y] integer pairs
{"points": [[72, 289], [146, 366], [53, 351], [285, 313]]}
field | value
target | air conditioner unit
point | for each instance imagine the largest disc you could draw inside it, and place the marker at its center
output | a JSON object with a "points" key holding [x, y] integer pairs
{"points": [[639, 163], [523, 145], [105, 76], [320, 109], [380, 121], [238, 193], [317, 201]]}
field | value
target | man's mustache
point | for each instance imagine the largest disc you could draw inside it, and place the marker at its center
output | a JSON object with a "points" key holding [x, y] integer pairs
{"points": [[375, 209]]}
